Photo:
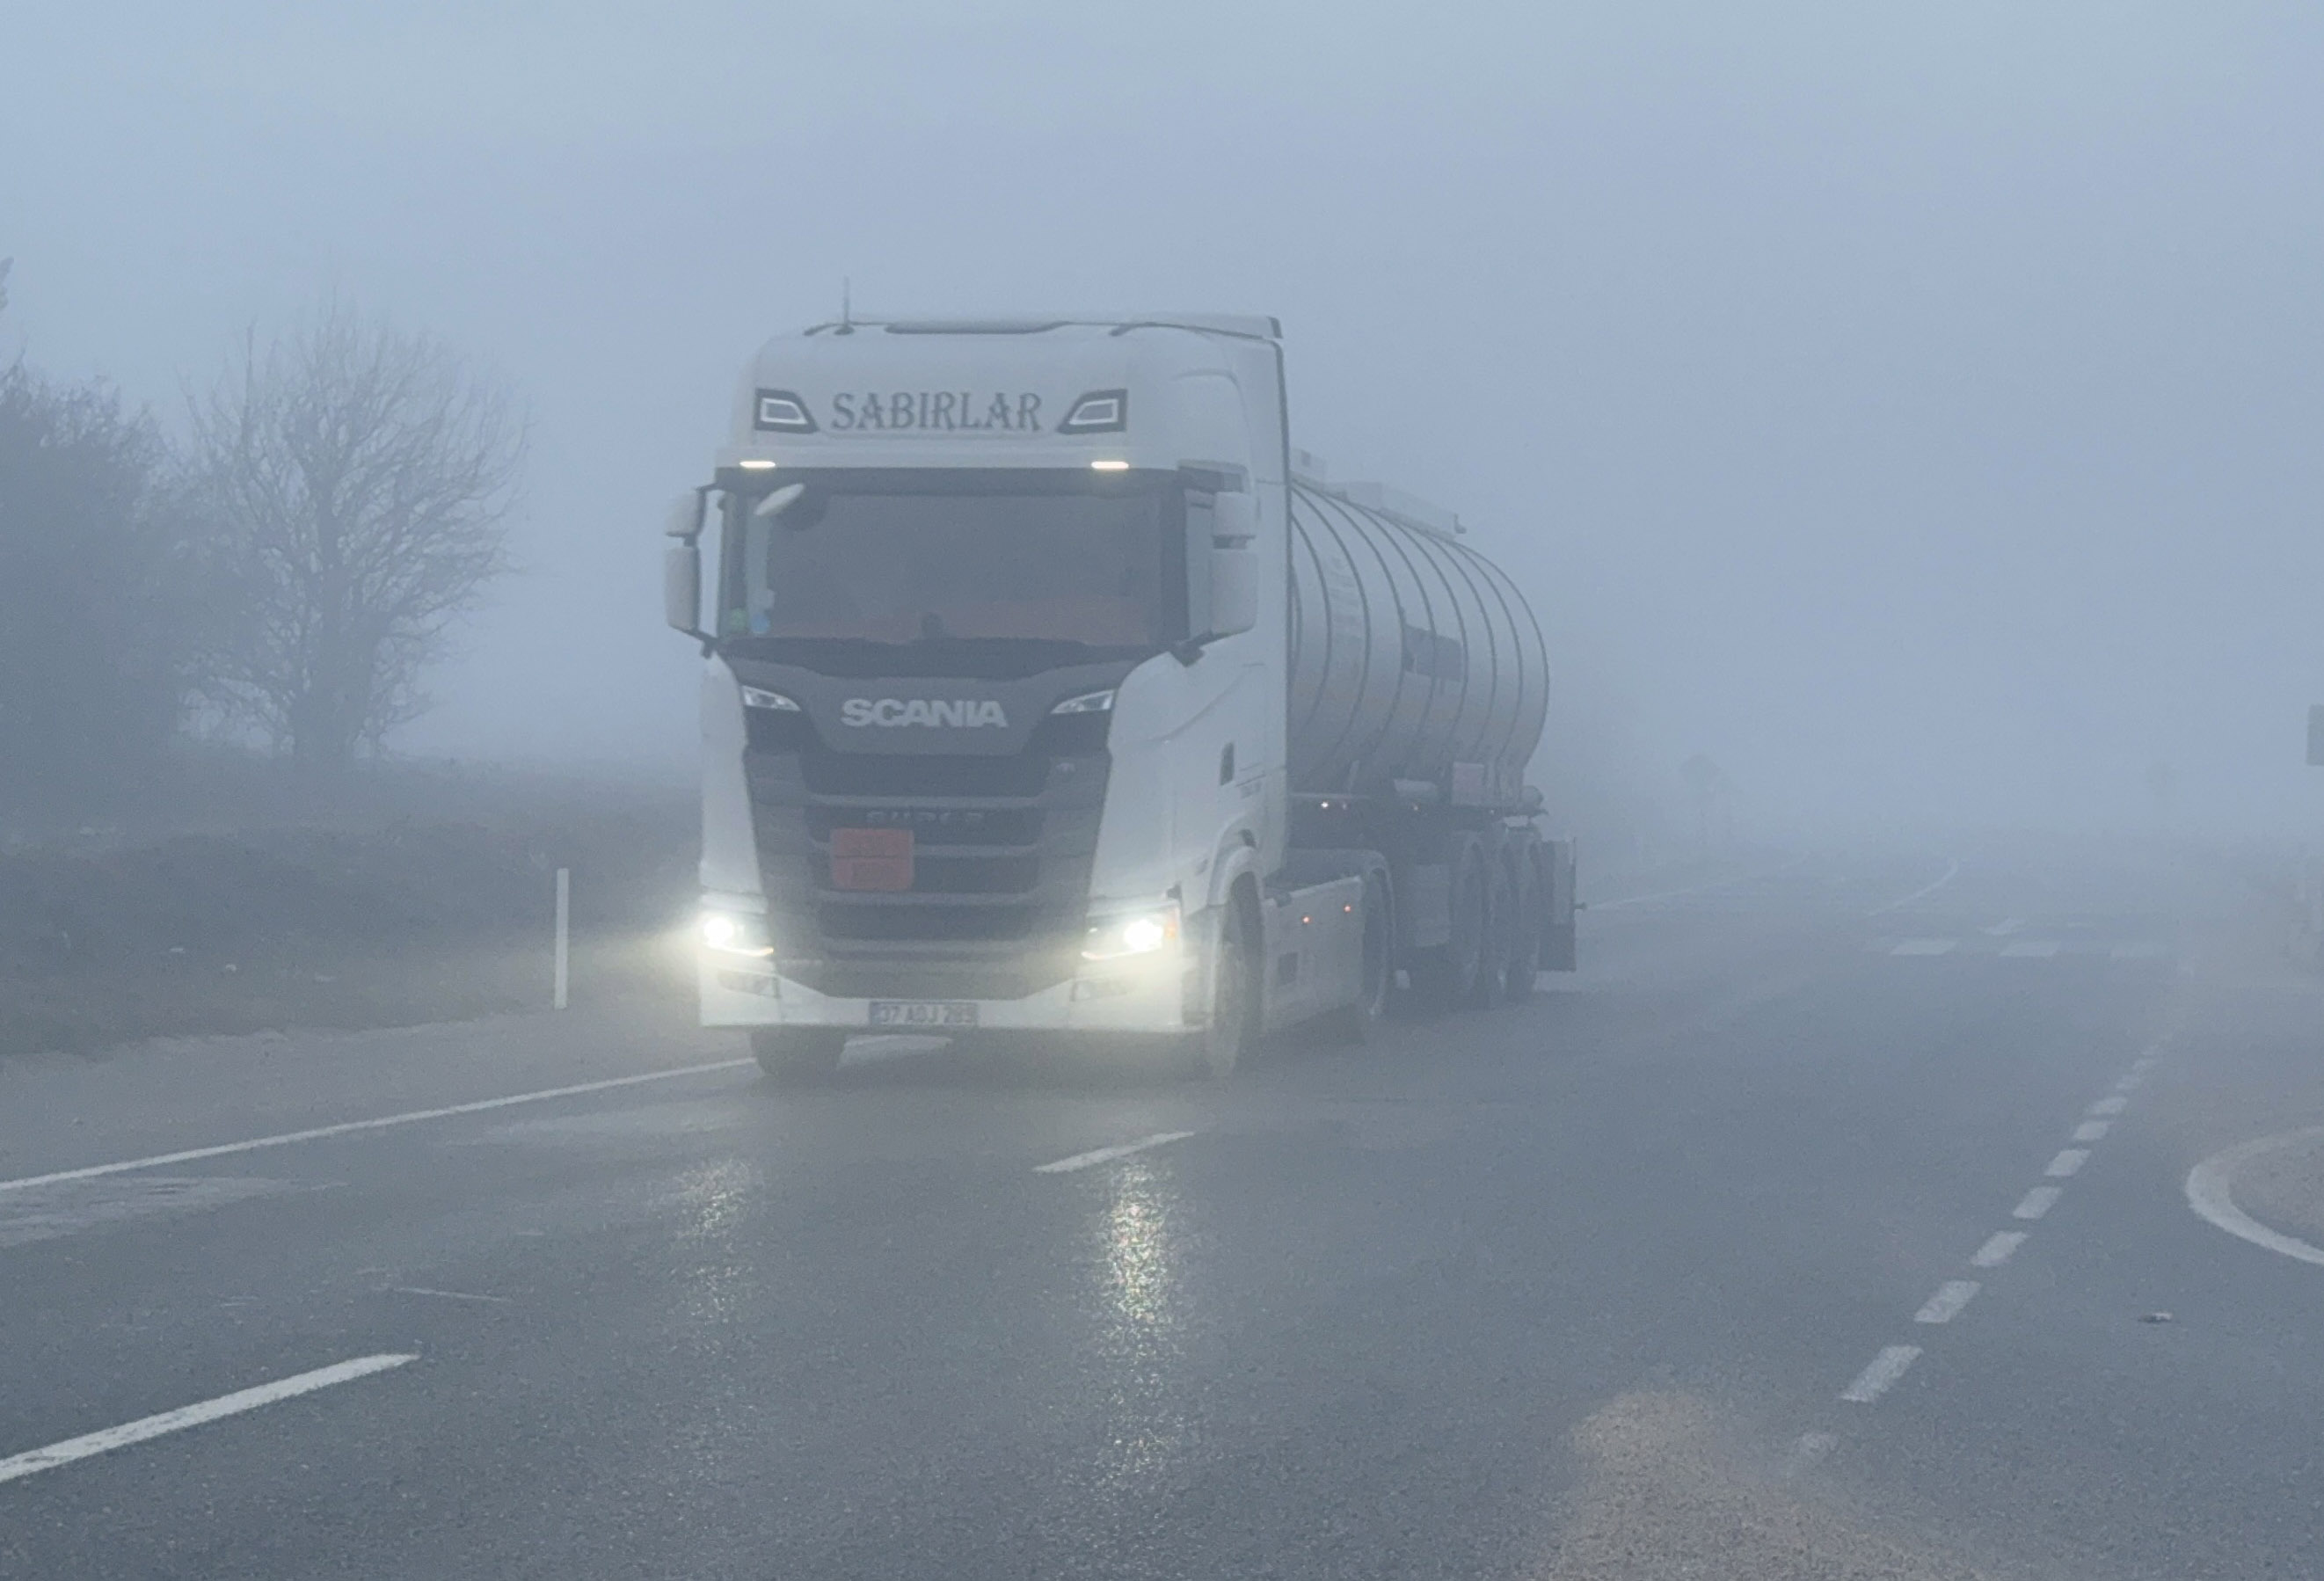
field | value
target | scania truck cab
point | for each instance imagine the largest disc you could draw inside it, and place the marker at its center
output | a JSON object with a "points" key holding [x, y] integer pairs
{"points": [[998, 707]]}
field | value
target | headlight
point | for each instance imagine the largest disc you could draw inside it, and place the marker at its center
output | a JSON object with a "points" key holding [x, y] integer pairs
{"points": [[1096, 702], [759, 696], [1131, 933], [736, 933]]}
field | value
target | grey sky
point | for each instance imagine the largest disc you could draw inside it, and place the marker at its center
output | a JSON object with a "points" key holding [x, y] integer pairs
{"points": [[1919, 411]]}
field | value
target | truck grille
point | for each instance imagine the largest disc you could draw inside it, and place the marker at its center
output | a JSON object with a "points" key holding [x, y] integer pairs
{"points": [[1000, 871]]}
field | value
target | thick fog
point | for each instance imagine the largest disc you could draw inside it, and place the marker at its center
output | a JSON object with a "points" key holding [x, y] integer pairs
{"points": [[1918, 410]]}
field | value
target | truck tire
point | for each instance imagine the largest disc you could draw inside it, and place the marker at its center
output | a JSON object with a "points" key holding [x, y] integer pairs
{"points": [[1499, 938], [1355, 1023], [1446, 973], [1533, 921], [1213, 1053], [798, 1055]]}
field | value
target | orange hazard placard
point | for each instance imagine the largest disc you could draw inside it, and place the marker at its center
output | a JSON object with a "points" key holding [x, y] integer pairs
{"points": [[871, 859]]}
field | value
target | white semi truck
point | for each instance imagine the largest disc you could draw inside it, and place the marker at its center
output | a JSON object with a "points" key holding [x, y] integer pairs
{"points": [[1048, 692]]}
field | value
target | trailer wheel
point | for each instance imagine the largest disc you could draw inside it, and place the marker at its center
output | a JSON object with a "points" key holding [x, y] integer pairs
{"points": [[1356, 1023], [1446, 973], [798, 1056], [1533, 923], [1499, 938]]}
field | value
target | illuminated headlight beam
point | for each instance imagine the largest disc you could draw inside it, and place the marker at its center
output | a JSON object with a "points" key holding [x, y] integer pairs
{"points": [[736, 933], [1131, 933]]}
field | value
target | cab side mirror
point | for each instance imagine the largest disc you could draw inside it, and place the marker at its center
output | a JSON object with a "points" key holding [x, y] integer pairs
{"points": [[1234, 565], [681, 588], [681, 565]]}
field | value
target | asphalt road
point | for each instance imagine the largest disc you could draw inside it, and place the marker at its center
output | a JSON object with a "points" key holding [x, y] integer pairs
{"points": [[1700, 1264]]}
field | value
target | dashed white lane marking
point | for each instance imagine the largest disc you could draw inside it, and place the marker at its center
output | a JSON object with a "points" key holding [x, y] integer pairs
{"points": [[193, 1416], [1106, 1155], [1947, 1303], [1876, 1380], [1810, 1448], [2092, 1129], [2067, 1161], [2006, 927], [2037, 1202], [2041, 948], [1925, 946], [2129, 1083], [445, 1295], [2139, 950], [1953, 870], [1998, 1248], [2114, 1105], [74, 1206], [2209, 1194], [349, 1127]]}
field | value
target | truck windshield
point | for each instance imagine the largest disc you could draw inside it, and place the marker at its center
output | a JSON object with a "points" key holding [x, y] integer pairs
{"points": [[948, 572]]}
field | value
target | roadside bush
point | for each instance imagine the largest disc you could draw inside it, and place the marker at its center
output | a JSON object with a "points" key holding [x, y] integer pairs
{"points": [[100, 601]]}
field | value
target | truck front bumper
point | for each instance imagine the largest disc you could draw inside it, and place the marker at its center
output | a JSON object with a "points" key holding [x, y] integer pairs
{"points": [[1151, 998]]}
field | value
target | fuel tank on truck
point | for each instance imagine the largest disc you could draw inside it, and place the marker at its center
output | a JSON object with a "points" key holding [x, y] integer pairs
{"points": [[1413, 657]]}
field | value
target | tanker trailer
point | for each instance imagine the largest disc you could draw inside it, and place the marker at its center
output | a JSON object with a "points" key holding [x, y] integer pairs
{"points": [[1419, 681], [1044, 696]]}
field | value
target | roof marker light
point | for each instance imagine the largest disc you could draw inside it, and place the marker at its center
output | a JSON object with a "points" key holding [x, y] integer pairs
{"points": [[1101, 411], [1109, 467], [755, 464], [781, 412]]}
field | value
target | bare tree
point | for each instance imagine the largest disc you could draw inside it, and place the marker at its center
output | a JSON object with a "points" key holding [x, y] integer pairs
{"points": [[362, 477]]}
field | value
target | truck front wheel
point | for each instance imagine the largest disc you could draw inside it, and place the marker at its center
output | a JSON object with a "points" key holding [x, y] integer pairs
{"points": [[797, 1056], [1215, 1051]]}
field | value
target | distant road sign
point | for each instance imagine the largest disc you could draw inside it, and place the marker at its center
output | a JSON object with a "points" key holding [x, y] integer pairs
{"points": [[2316, 735]]}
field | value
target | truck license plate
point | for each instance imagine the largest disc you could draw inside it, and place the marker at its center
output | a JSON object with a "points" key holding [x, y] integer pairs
{"points": [[933, 1015]]}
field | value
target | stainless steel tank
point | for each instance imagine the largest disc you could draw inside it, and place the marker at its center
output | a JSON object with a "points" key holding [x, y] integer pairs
{"points": [[1413, 657]]}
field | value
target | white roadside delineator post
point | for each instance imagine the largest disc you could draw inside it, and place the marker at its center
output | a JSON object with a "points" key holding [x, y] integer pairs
{"points": [[564, 930]]}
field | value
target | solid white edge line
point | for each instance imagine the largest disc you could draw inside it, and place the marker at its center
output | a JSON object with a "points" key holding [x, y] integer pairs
{"points": [[1876, 1380], [2037, 1202], [1996, 1249], [1947, 1303], [192, 1416], [1953, 869], [2208, 1194], [1106, 1155], [2067, 1161], [348, 1127]]}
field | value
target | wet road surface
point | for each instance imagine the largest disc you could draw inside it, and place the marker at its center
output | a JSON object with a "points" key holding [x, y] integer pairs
{"points": [[1831, 1222]]}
